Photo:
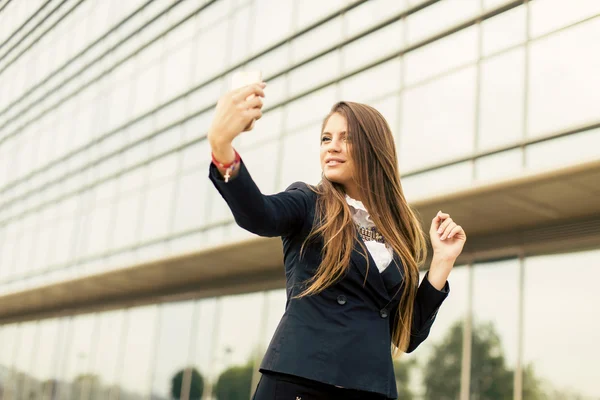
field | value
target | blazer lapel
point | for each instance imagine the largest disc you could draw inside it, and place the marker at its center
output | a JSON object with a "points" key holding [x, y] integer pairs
{"points": [[374, 278]]}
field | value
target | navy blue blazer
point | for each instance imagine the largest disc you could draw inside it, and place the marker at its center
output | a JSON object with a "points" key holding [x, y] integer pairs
{"points": [[341, 336]]}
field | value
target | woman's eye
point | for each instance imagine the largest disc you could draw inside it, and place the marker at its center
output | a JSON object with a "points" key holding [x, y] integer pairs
{"points": [[324, 139]]}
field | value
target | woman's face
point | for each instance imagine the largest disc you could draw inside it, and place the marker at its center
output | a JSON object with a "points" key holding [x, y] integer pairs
{"points": [[335, 151]]}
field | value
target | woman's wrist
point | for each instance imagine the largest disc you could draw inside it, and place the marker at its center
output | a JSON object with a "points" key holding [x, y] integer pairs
{"points": [[222, 151], [439, 270]]}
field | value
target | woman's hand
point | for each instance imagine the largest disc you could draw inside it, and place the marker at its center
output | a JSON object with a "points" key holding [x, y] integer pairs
{"points": [[234, 114], [447, 238]]}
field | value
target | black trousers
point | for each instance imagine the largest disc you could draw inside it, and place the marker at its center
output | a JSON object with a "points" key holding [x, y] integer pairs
{"points": [[276, 386]]}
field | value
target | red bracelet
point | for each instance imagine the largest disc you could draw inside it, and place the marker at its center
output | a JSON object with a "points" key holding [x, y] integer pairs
{"points": [[228, 167]]}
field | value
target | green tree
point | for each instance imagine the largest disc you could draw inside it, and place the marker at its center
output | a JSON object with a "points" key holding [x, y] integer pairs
{"points": [[402, 369], [491, 379], [196, 384], [235, 383]]}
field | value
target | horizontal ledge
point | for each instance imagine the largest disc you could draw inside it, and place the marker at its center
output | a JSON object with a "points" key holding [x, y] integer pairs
{"points": [[536, 213]]}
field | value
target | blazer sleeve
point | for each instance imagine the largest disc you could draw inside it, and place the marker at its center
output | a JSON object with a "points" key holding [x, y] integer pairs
{"points": [[427, 303], [279, 214]]}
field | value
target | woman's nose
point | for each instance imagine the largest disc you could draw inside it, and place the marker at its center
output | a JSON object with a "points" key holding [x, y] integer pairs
{"points": [[334, 146]]}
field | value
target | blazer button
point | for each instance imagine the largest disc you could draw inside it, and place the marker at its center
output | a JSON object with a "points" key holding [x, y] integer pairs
{"points": [[341, 299], [383, 313]]}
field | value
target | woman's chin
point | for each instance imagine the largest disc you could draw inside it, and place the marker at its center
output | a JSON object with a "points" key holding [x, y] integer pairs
{"points": [[332, 176]]}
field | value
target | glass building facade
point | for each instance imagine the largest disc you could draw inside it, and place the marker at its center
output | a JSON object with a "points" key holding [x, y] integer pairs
{"points": [[104, 109]]}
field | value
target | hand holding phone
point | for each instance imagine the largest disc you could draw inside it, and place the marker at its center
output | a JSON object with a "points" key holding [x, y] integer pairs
{"points": [[237, 110], [244, 78]]}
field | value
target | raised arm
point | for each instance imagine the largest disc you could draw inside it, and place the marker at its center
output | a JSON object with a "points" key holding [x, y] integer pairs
{"points": [[274, 215], [279, 214], [234, 114]]}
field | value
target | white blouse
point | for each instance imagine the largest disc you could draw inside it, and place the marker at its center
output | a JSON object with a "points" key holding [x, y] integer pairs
{"points": [[381, 253]]}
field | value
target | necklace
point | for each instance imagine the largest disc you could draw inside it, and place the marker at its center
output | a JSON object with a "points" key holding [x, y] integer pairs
{"points": [[370, 234]]}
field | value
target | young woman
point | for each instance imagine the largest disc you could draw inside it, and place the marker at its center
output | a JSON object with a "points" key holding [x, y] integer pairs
{"points": [[352, 250]]}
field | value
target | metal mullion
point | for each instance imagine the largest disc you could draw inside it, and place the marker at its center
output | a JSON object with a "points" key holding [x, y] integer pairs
{"points": [[477, 113], [31, 17], [4, 5], [465, 370], [23, 51], [215, 78], [187, 374], [518, 373], [101, 75], [222, 74], [75, 57]]}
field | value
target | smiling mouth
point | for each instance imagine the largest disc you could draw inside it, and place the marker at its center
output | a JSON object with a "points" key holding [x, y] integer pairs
{"points": [[333, 162]]}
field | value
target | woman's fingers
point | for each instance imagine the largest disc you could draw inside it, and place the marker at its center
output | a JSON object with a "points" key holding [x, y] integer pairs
{"points": [[254, 102], [455, 231], [444, 225], [243, 93], [254, 113], [447, 230]]}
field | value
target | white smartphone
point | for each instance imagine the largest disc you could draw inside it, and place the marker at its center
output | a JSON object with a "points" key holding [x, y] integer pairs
{"points": [[244, 78]]}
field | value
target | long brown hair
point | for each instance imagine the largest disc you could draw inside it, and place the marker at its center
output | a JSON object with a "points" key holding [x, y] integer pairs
{"points": [[376, 174]]}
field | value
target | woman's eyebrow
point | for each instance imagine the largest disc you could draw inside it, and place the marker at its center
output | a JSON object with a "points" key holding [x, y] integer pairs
{"points": [[329, 133]]}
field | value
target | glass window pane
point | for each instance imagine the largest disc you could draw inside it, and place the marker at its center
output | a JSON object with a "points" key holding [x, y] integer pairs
{"points": [[440, 112], [501, 105], [371, 13], [212, 41], [567, 150], [494, 340], [315, 73], [98, 234], [272, 62], [195, 156], [564, 91], [388, 107], [146, 89], [550, 321], [173, 347], [177, 71], [265, 34], [45, 372], [235, 354], [156, 219], [501, 165], [491, 4], [549, 15], [190, 207], [438, 17], [136, 368], [25, 358], [268, 128], [76, 357], [127, 215], [504, 30], [372, 83], [310, 11], [204, 350], [240, 47], [438, 182], [430, 360], [261, 162], [317, 40], [450, 52], [107, 354], [9, 345], [301, 154], [379, 44], [164, 167], [310, 109]]}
